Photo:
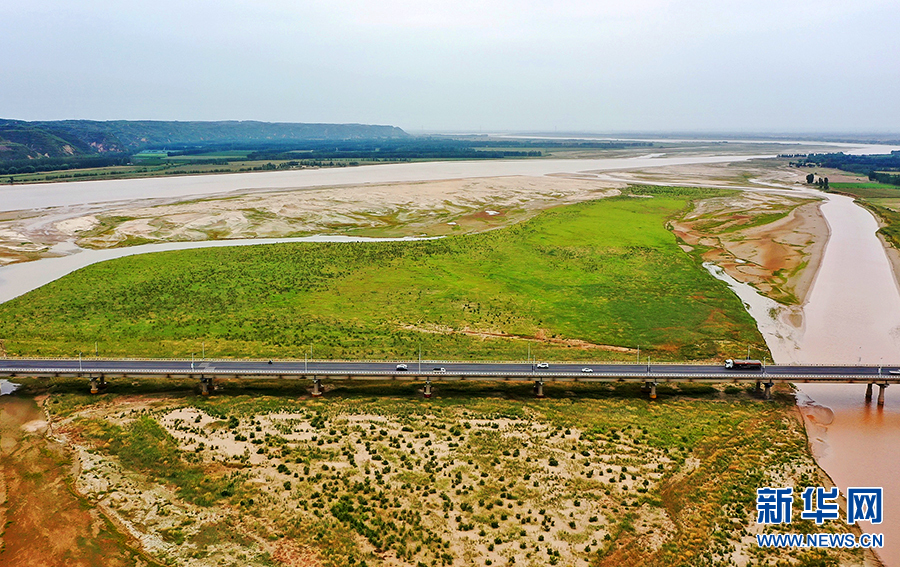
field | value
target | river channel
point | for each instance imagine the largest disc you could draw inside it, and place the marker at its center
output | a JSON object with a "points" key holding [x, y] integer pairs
{"points": [[852, 316], [43, 195]]}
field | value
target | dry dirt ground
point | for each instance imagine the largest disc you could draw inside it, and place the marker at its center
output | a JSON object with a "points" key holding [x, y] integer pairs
{"points": [[399, 209], [44, 521], [420, 484], [780, 258], [772, 235]]}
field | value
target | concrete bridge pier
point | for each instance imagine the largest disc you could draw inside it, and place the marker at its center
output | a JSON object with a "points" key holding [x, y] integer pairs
{"points": [[881, 389], [767, 394], [758, 387], [539, 389], [205, 386], [427, 391], [869, 392], [651, 386], [316, 387], [97, 383]]}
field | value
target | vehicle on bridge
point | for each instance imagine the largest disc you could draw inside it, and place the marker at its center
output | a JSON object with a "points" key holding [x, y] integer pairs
{"points": [[743, 364]]}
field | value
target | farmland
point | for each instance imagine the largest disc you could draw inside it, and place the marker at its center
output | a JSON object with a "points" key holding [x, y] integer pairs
{"points": [[587, 281]]}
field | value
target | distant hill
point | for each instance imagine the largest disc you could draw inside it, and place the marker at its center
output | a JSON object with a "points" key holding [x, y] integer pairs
{"points": [[73, 138]]}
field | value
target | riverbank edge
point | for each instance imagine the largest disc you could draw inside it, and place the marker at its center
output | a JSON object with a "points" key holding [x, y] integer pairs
{"points": [[806, 279]]}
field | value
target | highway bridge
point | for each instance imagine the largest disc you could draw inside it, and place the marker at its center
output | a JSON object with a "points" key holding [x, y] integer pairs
{"points": [[97, 371]]}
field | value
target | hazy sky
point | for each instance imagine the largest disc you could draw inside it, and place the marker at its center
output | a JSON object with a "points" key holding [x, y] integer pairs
{"points": [[754, 65]]}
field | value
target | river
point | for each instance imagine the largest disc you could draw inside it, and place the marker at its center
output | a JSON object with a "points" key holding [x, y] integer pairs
{"points": [[45, 195], [852, 315]]}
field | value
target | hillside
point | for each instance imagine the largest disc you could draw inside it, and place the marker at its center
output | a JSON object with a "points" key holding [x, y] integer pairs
{"points": [[65, 138]]}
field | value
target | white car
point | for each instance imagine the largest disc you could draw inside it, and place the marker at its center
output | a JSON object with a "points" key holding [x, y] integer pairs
{"points": [[585, 369], [543, 365], [402, 367], [439, 370]]}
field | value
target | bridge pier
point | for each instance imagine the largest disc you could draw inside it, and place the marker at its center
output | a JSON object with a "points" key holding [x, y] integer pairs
{"points": [[869, 392], [767, 394], [98, 383], [652, 387], [316, 388], [539, 389], [881, 389], [427, 391], [205, 386], [758, 387]]}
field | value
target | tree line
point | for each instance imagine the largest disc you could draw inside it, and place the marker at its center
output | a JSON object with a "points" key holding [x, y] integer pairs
{"points": [[880, 167]]}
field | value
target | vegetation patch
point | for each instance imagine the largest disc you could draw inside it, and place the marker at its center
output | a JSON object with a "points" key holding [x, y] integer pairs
{"points": [[477, 475], [605, 273]]}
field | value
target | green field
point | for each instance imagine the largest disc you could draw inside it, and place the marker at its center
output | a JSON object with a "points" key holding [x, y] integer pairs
{"points": [[868, 190], [883, 201], [605, 272]]}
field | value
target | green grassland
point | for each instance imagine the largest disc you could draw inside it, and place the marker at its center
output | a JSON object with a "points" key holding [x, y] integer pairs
{"points": [[481, 474], [605, 272], [868, 190]]}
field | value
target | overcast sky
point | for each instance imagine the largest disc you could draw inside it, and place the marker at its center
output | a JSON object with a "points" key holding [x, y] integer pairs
{"points": [[640, 65]]}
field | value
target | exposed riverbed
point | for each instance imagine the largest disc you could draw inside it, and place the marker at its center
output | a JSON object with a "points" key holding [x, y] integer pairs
{"points": [[43, 195]]}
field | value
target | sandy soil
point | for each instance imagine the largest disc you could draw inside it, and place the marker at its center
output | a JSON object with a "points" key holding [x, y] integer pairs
{"points": [[779, 258], [397, 209], [742, 175], [150, 512], [43, 522], [566, 505]]}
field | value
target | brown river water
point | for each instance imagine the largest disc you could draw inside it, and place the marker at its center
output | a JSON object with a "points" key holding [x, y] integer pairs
{"points": [[852, 315]]}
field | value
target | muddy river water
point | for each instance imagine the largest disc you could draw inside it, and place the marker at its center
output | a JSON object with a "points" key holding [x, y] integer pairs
{"points": [[853, 316]]}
